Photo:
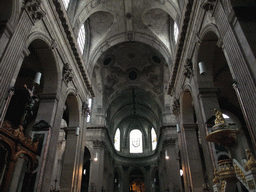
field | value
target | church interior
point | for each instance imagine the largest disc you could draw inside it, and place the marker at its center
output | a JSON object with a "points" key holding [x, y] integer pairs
{"points": [[127, 95]]}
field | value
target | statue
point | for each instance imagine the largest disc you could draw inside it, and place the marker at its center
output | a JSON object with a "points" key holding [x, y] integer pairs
{"points": [[251, 163], [29, 110], [219, 117]]}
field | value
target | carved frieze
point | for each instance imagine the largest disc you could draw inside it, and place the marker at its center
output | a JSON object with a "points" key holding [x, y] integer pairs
{"points": [[67, 73], [176, 107], [188, 69], [208, 5]]}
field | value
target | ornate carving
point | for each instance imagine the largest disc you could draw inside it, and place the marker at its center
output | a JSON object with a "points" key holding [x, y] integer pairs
{"points": [[208, 5], [216, 177], [239, 173], [251, 163], [176, 107], [67, 73], [18, 134], [33, 7], [219, 117], [188, 68]]}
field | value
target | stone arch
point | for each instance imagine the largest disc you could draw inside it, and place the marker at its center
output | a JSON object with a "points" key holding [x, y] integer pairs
{"points": [[72, 109], [137, 179], [10, 10], [39, 59], [219, 78], [187, 109]]}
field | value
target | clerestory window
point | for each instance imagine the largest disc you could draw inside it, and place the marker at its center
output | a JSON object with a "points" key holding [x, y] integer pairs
{"points": [[153, 138], [66, 3], [175, 32], [81, 38], [117, 140], [136, 141], [89, 107]]}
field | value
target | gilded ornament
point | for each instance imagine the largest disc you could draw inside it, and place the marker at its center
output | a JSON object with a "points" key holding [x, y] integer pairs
{"points": [[219, 117], [216, 177], [251, 163]]}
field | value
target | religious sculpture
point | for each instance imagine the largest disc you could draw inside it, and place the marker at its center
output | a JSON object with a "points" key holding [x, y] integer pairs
{"points": [[219, 117], [251, 163]]}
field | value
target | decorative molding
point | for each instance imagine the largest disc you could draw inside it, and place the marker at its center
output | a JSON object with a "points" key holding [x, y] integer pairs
{"points": [[208, 5], [72, 41], [33, 7], [67, 73], [188, 69], [180, 46], [176, 107]]}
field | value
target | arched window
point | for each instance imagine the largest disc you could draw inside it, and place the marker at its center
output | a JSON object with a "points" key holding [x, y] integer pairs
{"points": [[136, 141], [153, 138], [81, 38], [117, 140], [175, 32], [66, 3]]}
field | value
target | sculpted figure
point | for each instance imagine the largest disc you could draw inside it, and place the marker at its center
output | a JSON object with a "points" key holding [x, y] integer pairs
{"points": [[251, 163], [219, 117]]}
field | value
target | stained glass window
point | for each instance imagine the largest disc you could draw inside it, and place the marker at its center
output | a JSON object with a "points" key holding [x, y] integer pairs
{"points": [[136, 141]]}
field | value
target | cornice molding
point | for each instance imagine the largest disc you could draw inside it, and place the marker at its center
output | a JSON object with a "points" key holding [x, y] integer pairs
{"points": [[180, 46], [72, 42]]}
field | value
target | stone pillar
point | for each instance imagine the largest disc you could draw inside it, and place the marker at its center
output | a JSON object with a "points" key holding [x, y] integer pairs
{"points": [[191, 160], [97, 166], [239, 67], [147, 178], [172, 165], [70, 155], [31, 13], [48, 111], [125, 179], [18, 175]]}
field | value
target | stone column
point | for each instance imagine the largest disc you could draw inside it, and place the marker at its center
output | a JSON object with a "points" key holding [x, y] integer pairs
{"points": [[171, 165], [97, 166], [31, 13], [192, 164], [49, 104], [147, 178], [70, 155], [239, 67], [125, 179]]}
